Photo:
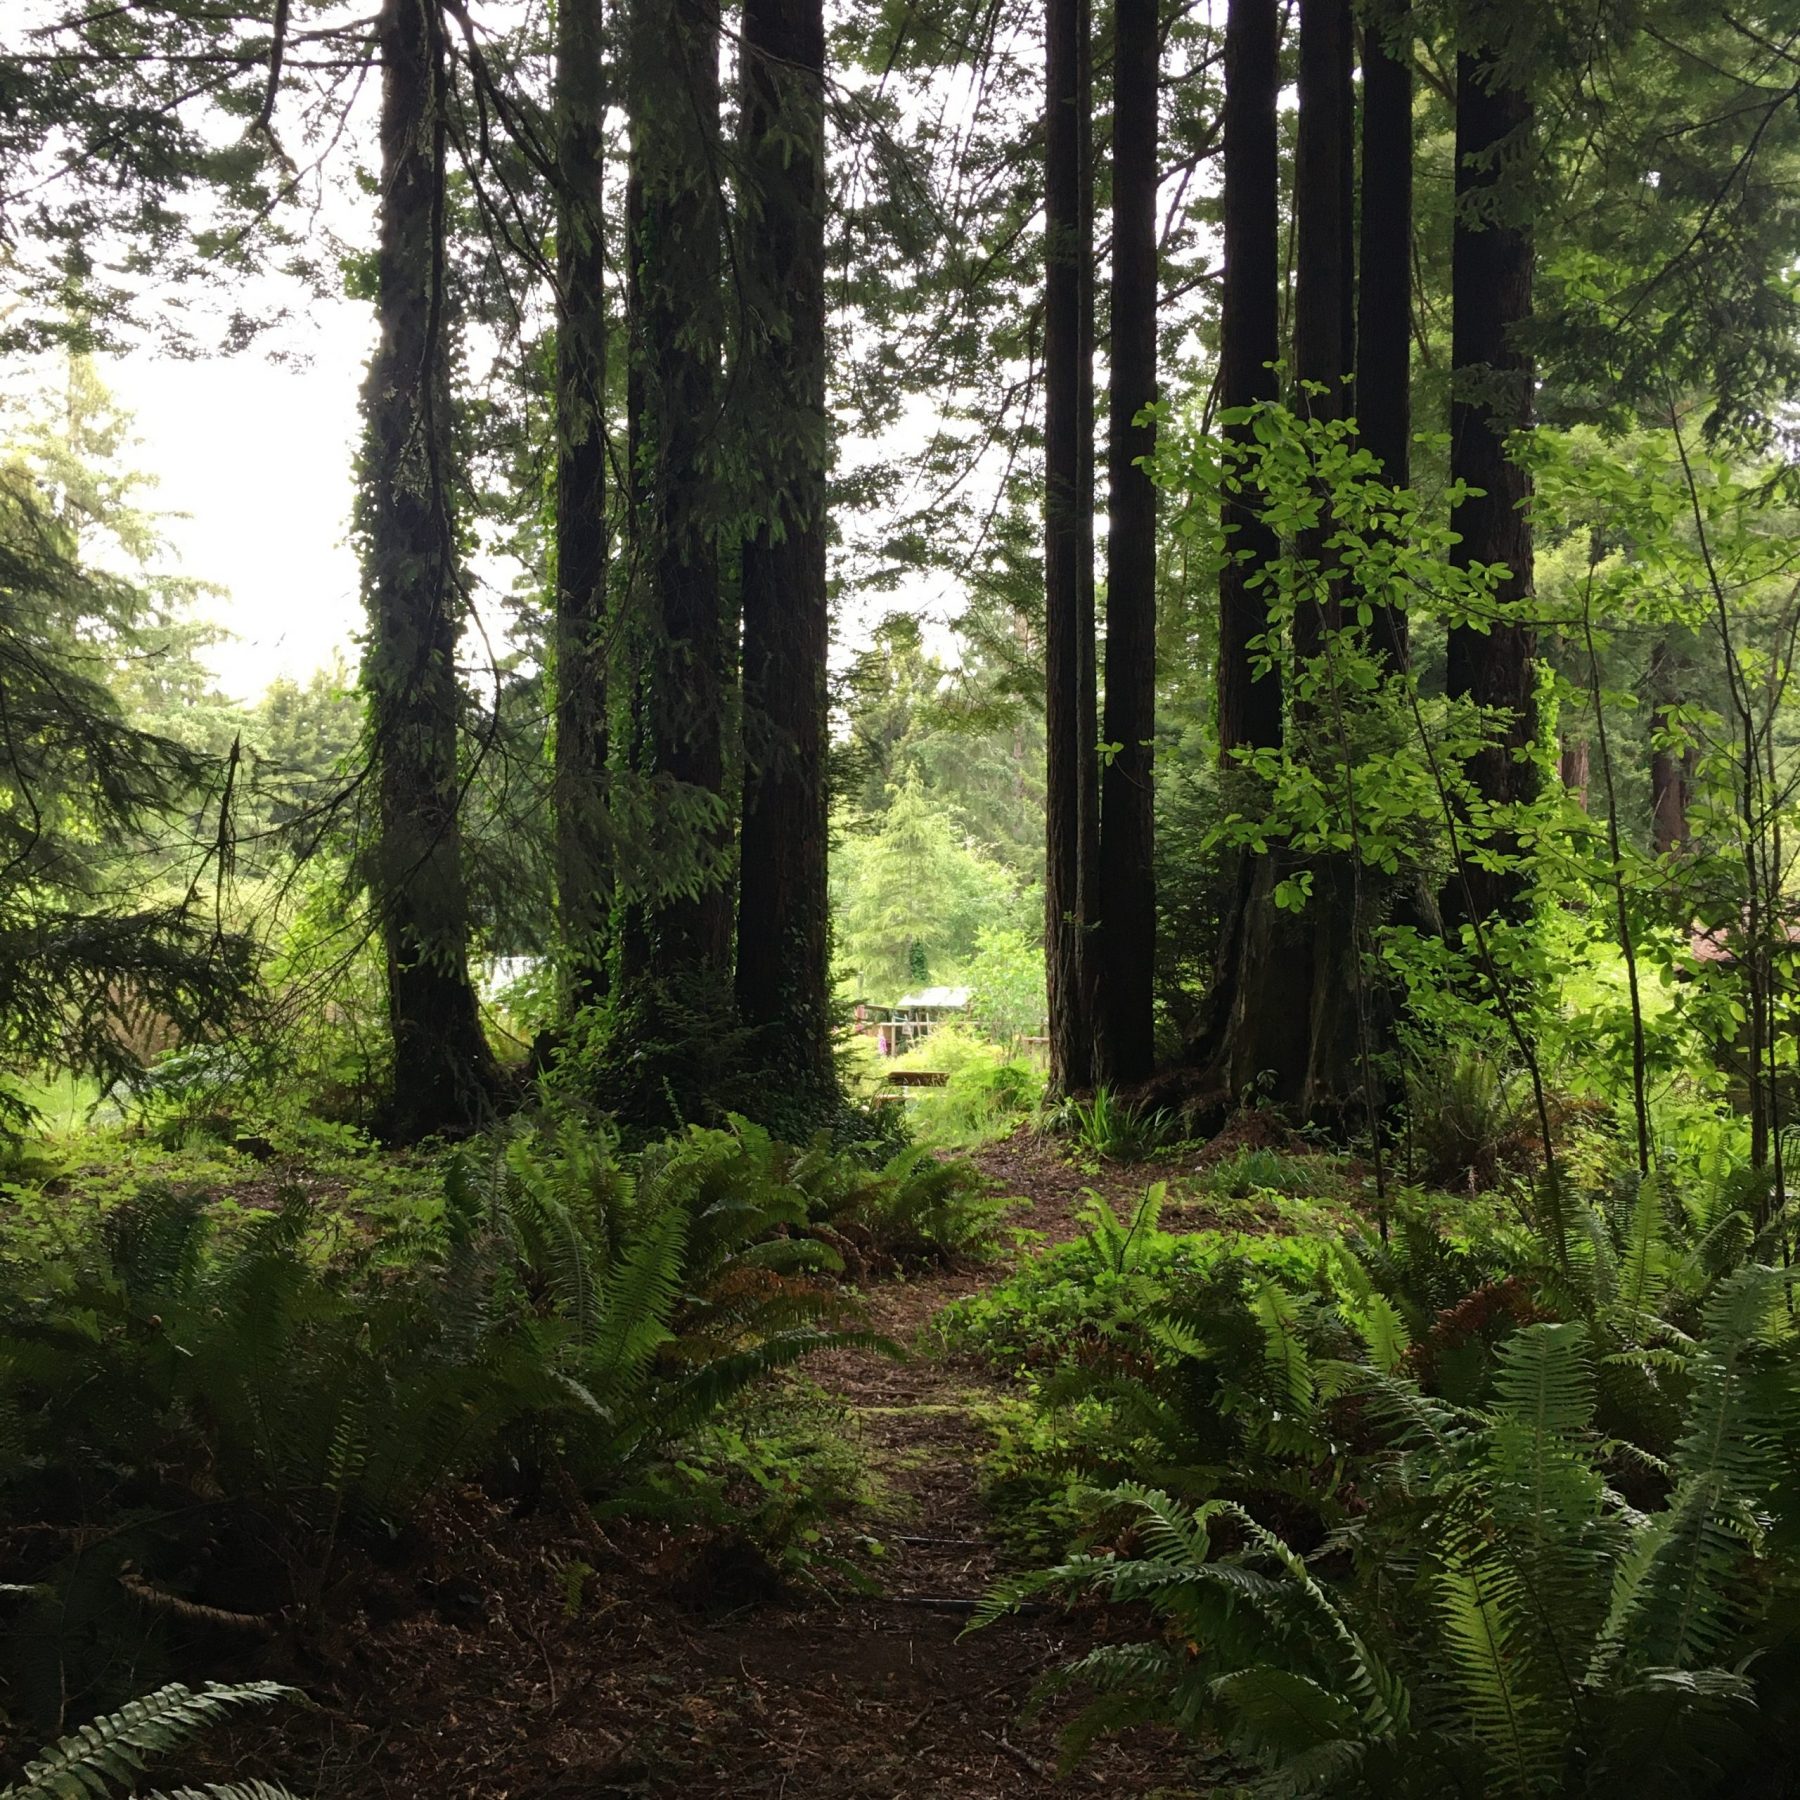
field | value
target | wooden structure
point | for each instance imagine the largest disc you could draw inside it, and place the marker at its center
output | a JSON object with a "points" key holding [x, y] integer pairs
{"points": [[915, 1016]]}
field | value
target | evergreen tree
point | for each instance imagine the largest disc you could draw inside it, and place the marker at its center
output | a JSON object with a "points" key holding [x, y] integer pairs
{"points": [[677, 246], [1126, 938], [444, 1077], [94, 961], [1249, 703], [1384, 310], [1070, 722], [783, 941], [1495, 665], [582, 625]]}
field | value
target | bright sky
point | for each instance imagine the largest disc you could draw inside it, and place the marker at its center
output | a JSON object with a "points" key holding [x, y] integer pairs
{"points": [[260, 456]]}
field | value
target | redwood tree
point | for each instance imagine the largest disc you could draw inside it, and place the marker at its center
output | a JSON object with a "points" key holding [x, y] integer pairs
{"points": [[583, 871], [783, 946], [1384, 271], [1323, 284], [1249, 707], [444, 1073], [1282, 1013], [1491, 281], [1127, 934], [1070, 724], [677, 250]]}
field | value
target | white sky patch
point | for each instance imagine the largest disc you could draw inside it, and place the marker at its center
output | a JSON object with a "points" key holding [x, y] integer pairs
{"points": [[259, 456]]}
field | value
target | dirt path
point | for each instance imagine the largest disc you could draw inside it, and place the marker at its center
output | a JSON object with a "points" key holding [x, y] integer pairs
{"points": [[832, 1696]]}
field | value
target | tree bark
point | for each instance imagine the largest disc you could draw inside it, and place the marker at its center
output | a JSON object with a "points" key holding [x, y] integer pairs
{"points": [[783, 947], [1249, 707], [1491, 281], [1671, 775], [1573, 768], [1282, 1018], [1127, 936], [1071, 729], [680, 162], [1384, 275], [1324, 286], [579, 770], [444, 1074]]}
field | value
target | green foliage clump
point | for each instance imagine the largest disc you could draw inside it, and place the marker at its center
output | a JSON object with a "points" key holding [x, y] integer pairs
{"points": [[1470, 1507], [916, 885], [112, 1750], [1263, 1169], [987, 1093], [1108, 1128], [912, 1207], [249, 1396], [1497, 1618]]}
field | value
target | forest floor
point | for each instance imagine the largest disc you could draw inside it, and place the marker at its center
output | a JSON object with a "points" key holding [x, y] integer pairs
{"points": [[480, 1675]]}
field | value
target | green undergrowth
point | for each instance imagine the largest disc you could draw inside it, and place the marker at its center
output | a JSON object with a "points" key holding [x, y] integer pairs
{"points": [[1498, 1500], [987, 1094], [235, 1385]]}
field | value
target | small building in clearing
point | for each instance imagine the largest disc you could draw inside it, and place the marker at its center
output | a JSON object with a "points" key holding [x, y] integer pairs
{"points": [[917, 1015]]}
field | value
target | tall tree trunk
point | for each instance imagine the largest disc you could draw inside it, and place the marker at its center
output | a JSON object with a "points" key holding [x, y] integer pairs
{"points": [[1127, 936], [1071, 730], [444, 1074], [1249, 707], [1323, 283], [680, 162], [1573, 767], [1491, 279], [1384, 273], [783, 950], [1282, 1016], [633, 913], [1671, 775], [583, 861]]}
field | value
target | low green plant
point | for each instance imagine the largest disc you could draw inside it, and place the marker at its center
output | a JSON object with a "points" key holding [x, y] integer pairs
{"points": [[1262, 1169], [195, 1093], [1494, 1616], [1464, 1105], [1105, 1127], [908, 1208], [111, 1752], [242, 1396], [987, 1094]]}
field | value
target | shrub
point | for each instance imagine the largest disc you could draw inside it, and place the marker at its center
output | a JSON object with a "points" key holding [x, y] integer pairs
{"points": [[1497, 1619], [988, 1094], [1262, 1169], [242, 1398], [1105, 1127], [1463, 1106], [911, 1207]]}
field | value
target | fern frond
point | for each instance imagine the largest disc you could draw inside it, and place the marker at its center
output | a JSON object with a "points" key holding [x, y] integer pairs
{"points": [[1278, 1714], [1642, 1277], [227, 1790], [1284, 1350], [1485, 1670], [113, 1748]]}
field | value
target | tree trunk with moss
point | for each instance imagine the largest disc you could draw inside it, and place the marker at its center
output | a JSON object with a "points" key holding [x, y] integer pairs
{"points": [[1070, 721], [583, 859], [444, 1074], [679, 163], [784, 931], [1491, 399]]}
